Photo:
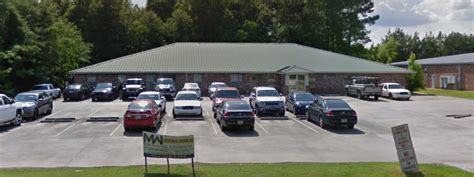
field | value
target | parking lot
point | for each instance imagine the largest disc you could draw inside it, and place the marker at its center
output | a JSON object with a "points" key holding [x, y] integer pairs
{"points": [[437, 138]]}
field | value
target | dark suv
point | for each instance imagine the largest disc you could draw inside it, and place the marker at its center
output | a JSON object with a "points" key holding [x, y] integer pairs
{"points": [[166, 87], [133, 87]]}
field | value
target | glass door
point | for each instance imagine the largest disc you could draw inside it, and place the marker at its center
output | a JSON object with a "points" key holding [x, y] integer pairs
{"points": [[296, 82]]}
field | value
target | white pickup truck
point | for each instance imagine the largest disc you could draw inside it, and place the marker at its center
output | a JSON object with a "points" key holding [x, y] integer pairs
{"points": [[9, 112], [49, 89]]}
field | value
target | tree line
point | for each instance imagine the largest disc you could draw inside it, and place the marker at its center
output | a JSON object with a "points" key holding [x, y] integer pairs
{"points": [[41, 41]]}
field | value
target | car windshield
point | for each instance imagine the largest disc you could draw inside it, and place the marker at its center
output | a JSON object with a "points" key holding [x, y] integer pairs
{"points": [[395, 86], [149, 96], [337, 104], [103, 85], [267, 93], [40, 87], [218, 85], [238, 106], [134, 82], [139, 105], [227, 94], [304, 97], [164, 81], [73, 86], [187, 96], [25, 98]]}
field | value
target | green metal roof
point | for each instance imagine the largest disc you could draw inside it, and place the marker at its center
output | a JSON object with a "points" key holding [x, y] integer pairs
{"points": [[236, 58]]}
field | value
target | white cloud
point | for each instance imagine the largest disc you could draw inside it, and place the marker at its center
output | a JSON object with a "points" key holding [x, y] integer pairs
{"points": [[422, 16]]}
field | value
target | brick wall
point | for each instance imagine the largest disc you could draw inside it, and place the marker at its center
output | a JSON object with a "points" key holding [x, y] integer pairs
{"points": [[334, 83], [433, 74], [319, 83]]}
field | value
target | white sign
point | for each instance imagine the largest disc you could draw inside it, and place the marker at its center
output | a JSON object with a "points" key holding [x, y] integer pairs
{"points": [[163, 146], [405, 150]]}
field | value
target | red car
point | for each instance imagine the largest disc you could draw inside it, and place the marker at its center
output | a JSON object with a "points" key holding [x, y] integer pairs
{"points": [[224, 94], [142, 114]]}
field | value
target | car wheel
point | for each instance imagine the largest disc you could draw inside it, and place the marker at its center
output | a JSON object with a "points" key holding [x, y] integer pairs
{"points": [[359, 96], [215, 115], [126, 129], [83, 97], [18, 119], [251, 128], [390, 96], [257, 113], [200, 114], [351, 126], [174, 114], [222, 127], [321, 122], [50, 110], [307, 116], [282, 114], [376, 97], [347, 93]]}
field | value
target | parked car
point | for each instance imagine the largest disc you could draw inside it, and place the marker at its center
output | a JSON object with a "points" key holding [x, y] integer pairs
{"points": [[235, 113], [10, 113], [166, 87], [267, 100], [49, 89], [213, 87], [132, 88], [192, 86], [364, 87], [155, 96], [34, 104], [142, 114], [104, 91], [224, 94], [187, 103], [296, 102], [331, 112], [76, 92], [395, 91]]}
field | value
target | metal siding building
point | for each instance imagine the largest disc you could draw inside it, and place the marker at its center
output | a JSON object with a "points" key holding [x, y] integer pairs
{"points": [[245, 65]]}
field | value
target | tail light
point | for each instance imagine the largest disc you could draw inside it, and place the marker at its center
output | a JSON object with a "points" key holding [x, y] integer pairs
{"points": [[354, 114], [330, 114], [253, 114], [148, 114], [226, 114], [127, 114]]}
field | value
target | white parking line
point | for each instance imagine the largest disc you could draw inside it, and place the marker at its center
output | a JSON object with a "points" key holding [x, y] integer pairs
{"points": [[11, 131], [118, 126], [259, 125], [166, 127], [67, 128], [88, 116], [213, 127], [304, 125]]}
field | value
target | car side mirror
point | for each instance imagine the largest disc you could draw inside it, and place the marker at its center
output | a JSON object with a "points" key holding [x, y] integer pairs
{"points": [[163, 98], [281, 94], [200, 98]]}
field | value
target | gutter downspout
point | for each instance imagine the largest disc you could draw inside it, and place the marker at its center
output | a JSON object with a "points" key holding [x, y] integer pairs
{"points": [[459, 74]]}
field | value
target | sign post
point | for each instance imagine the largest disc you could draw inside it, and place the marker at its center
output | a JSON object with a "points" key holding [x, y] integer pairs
{"points": [[405, 150], [164, 146]]}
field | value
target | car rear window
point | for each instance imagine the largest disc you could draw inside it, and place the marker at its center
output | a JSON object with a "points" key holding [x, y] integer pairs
{"points": [[337, 104], [139, 105], [149, 96], [134, 82], [304, 97], [238, 106], [227, 94], [187, 96], [40, 87], [73, 86]]}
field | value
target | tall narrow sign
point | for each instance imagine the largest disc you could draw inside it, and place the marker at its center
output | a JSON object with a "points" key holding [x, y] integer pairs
{"points": [[405, 150]]}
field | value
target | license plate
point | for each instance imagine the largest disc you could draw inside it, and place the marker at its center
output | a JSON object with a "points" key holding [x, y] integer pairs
{"points": [[240, 122], [138, 116], [344, 120]]}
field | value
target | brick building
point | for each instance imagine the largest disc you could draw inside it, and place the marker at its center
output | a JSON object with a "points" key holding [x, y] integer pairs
{"points": [[243, 65], [447, 72]]}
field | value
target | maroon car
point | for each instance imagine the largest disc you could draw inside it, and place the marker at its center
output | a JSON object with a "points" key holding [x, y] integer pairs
{"points": [[224, 94], [142, 114]]}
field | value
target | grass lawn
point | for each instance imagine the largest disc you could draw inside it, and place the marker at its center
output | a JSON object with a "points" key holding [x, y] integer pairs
{"points": [[244, 170], [451, 93]]}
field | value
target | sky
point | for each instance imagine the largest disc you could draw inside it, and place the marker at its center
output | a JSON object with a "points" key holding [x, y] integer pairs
{"points": [[419, 16]]}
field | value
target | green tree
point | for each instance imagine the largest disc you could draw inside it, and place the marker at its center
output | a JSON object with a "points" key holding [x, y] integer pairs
{"points": [[415, 81], [388, 51]]}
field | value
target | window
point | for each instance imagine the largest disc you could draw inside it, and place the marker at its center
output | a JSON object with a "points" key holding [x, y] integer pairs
{"points": [[235, 79], [6, 100], [121, 78], [91, 78]]}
